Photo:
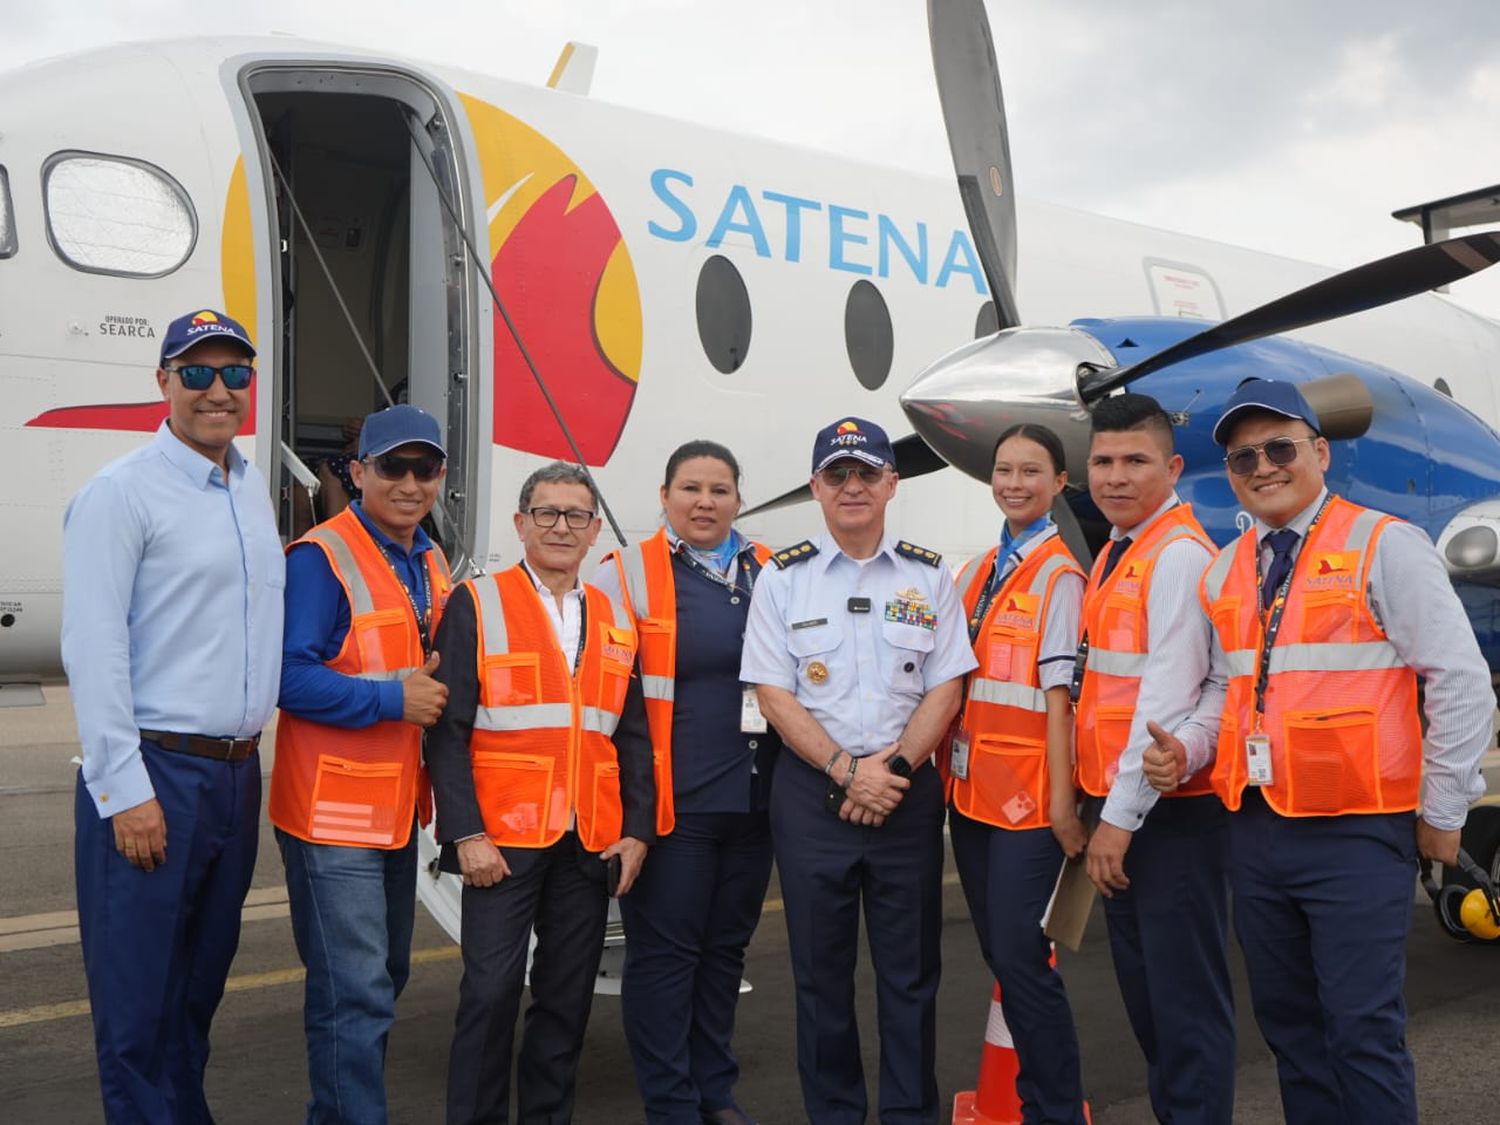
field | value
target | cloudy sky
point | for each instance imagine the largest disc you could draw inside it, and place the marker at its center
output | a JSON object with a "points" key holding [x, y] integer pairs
{"points": [[1284, 125]]}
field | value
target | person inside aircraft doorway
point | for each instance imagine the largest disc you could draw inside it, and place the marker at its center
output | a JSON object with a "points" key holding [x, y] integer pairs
{"points": [[697, 903], [546, 801], [365, 592], [1013, 810]]}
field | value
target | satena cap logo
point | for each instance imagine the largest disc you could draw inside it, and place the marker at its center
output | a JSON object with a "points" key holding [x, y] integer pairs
{"points": [[563, 271], [852, 437], [849, 427], [204, 317]]}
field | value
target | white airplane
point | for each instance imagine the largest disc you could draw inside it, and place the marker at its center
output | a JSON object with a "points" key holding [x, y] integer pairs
{"points": [[666, 281]]}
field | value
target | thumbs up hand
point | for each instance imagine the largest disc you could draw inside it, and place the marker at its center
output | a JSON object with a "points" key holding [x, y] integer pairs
{"points": [[422, 697], [1165, 760]]}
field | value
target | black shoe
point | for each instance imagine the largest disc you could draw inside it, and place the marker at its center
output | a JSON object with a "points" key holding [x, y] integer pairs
{"points": [[730, 1115]]}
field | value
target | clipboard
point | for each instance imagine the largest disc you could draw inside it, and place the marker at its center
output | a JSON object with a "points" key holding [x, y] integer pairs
{"points": [[1073, 898]]}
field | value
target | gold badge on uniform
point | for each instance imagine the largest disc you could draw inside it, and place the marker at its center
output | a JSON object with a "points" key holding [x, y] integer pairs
{"points": [[817, 672]]}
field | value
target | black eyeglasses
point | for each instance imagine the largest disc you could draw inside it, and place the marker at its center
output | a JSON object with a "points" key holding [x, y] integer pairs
{"points": [[836, 476], [200, 376], [1279, 451], [576, 518], [391, 466]]}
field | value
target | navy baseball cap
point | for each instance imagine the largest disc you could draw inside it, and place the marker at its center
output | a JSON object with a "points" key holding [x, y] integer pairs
{"points": [[399, 425], [195, 327], [1272, 396], [852, 437]]}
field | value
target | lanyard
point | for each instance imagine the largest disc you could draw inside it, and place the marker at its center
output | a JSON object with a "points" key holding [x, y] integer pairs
{"points": [[422, 617], [994, 583], [729, 581], [1272, 625]]}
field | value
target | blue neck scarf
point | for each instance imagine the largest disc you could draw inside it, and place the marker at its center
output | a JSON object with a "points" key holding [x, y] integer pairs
{"points": [[719, 559], [1011, 544]]}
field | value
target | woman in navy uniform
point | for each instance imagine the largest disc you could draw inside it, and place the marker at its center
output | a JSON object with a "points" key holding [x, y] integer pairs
{"points": [[696, 904], [1010, 769]]}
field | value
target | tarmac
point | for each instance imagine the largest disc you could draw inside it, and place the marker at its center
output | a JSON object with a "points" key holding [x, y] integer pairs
{"points": [[258, 1072]]}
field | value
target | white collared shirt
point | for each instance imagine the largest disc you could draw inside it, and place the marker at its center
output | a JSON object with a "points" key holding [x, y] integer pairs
{"points": [[567, 622]]}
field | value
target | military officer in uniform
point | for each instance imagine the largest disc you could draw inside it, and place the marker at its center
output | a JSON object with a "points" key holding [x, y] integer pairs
{"points": [[857, 644]]}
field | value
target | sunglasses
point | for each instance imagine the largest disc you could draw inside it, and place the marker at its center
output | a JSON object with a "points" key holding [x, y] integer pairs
{"points": [[200, 376], [576, 518], [393, 467], [836, 476], [1279, 451]]}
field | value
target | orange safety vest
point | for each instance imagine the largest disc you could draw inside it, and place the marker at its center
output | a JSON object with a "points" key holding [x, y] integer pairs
{"points": [[1114, 619], [334, 785], [1005, 708], [650, 596], [1340, 703], [542, 748]]}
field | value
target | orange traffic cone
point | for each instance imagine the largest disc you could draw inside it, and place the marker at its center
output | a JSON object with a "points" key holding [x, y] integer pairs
{"points": [[995, 1101]]}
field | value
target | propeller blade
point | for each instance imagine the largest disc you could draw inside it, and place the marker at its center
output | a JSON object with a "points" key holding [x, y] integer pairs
{"points": [[1364, 287], [968, 81], [914, 458]]}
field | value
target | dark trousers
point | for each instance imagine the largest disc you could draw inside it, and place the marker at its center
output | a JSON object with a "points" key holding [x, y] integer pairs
{"points": [[1322, 907], [1008, 878], [828, 868], [1168, 935], [560, 891], [157, 946], [688, 920]]}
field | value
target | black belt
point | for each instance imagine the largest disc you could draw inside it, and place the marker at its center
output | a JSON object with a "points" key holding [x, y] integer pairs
{"points": [[203, 746]]}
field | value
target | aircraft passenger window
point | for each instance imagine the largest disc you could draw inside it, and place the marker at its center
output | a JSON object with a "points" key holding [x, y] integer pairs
{"points": [[867, 335], [723, 314], [117, 216], [7, 219], [987, 323], [1442, 387]]}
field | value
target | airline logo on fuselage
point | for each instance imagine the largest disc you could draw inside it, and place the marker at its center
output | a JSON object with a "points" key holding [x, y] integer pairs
{"points": [[784, 225]]}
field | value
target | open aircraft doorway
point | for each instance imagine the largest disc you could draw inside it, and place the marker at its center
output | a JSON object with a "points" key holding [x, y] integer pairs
{"points": [[371, 284]]}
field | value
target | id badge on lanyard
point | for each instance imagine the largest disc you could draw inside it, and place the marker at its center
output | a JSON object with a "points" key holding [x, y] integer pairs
{"points": [[1258, 759], [958, 758], [751, 719]]}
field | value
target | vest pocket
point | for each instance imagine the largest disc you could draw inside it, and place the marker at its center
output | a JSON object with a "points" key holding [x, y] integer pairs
{"points": [[1010, 655], [1005, 781], [657, 637], [1329, 616], [514, 793], [1111, 734], [511, 679], [382, 639], [355, 802], [1331, 761], [604, 816]]}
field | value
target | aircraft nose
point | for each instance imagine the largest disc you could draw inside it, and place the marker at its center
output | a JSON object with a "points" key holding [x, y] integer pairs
{"points": [[962, 403]]}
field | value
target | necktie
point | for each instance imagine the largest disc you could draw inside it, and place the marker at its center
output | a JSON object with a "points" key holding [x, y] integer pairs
{"points": [[1282, 544], [1117, 551]]}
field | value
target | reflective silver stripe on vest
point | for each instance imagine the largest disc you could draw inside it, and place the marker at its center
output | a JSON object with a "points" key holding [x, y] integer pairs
{"points": [[1371, 656], [1240, 662], [599, 720], [633, 561], [1107, 663], [1044, 575], [531, 716], [398, 674], [1218, 571], [361, 601], [658, 687], [1361, 529], [491, 615], [967, 575], [1006, 694]]}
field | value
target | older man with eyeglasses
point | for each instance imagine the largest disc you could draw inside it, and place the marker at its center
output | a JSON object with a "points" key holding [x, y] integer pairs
{"points": [[172, 577], [365, 592], [546, 799], [858, 647], [1324, 614]]}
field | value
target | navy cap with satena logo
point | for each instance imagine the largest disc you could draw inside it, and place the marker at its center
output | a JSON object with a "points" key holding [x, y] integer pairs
{"points": [[1270, 396], [192, 329], [399, 425], [852, 437]]}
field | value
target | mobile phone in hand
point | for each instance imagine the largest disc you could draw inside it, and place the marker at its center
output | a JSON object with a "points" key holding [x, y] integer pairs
{"points": [[612, 875]]}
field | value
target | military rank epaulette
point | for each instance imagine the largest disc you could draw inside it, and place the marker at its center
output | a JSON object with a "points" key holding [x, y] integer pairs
{"points": [[799, 552], [921, 554]]}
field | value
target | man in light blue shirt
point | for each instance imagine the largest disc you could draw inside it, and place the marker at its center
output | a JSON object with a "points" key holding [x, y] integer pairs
{"points": [[858, 646], [172, 592]]}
